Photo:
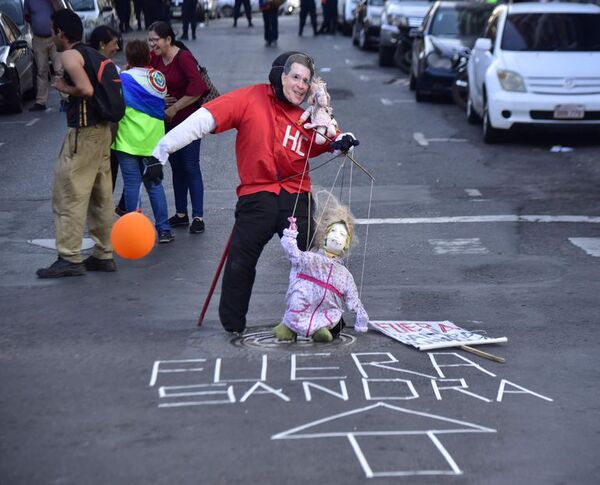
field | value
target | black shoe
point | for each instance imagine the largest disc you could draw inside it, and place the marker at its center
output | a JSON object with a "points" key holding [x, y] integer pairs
{"points": [[250, 24], [184, 37], [38, 107], [61, 267], [94, 264], [179, 221], [165, 237], [197, 226]]}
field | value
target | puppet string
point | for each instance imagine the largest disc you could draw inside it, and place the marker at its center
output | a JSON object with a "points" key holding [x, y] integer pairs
{"points": [[304, 171], [362, 272]]}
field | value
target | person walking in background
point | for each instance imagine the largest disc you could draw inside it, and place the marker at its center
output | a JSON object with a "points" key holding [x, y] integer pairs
{"points": [[123, 8], [308, 7], [184, 86], [144, 90], [270, 12], [106, 41], [188, 18], [82, 185], [38, 14], [237, 6], [137, 8]]}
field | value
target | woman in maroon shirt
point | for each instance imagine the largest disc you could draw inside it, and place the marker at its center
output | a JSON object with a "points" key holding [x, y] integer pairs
{"points": [[184, 86]]}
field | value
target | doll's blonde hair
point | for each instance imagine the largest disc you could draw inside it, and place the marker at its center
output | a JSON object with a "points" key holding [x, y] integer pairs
{"points": [[328, 211]]}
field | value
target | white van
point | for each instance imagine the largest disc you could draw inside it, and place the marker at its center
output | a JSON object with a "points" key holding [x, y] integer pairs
{"points": [[537, 63]]}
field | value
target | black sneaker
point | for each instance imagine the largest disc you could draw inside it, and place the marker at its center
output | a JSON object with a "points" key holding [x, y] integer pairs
{"points": [[179, 221], [95, 264], [38, 107], [165, 237], [61, 267], [197, 226]]}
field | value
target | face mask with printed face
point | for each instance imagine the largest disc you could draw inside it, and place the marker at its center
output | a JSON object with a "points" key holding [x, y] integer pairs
{"points": [[336, 239]]}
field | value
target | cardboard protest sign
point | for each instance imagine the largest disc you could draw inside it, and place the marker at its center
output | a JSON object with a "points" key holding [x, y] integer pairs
{"points": [[431, 335]]}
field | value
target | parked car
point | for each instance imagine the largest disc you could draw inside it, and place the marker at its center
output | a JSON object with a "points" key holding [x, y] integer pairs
{"points": [[94, 13], [17, 70], [367, 23], [536, 64], [448, 29], [399, 16], [225, 7], [346, 15], [204, 8]]}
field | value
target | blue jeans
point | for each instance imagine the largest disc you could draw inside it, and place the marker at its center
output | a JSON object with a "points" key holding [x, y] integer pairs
{"points": [[132, 167], [187, 176]]}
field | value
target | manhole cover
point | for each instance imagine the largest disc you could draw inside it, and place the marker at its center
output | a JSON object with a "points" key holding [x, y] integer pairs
{"points": [[340, 93], [264, 339]]}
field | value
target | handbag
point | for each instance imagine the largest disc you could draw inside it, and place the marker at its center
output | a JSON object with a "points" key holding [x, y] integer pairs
{"points": [[213, 92]]}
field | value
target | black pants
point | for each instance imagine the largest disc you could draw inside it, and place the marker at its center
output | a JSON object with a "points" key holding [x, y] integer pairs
{"points": [[188, 16], [124, 14], [271, 20], [257, 218], [237, 6], [307, 7]]}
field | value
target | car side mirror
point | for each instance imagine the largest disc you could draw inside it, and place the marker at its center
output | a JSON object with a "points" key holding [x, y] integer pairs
{"points": [[483, 44], [19, 44], [415, 34]]}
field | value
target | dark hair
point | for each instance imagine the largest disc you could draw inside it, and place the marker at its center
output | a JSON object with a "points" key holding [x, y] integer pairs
{"points": [[69, 23], [164, 30], [137, 53], [102, 34]]}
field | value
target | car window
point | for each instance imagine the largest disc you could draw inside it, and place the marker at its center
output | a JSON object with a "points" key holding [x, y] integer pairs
{"points": [[82, 5], [376, 3], [552, 32], [14, 9], [459, 22], [491, 29], [10, 32]]}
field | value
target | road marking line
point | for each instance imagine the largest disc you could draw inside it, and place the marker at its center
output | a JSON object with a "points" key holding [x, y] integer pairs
{"points": [[86, 243], [421, 140], [458, 246], [32, 122], [362, 77], [473, 192], [390, 102], [498, 218], [325, 69], [590, 245]]}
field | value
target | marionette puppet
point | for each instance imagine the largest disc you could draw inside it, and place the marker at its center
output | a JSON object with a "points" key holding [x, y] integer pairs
{"points": [[320, 112], [320, 284]]}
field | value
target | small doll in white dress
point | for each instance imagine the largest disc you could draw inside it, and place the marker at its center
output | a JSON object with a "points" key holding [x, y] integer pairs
{"points": [[320, 113], [320, 284]]}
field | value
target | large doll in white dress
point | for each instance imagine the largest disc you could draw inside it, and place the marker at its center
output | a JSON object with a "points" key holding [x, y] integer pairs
{"points": [[320, 284]]}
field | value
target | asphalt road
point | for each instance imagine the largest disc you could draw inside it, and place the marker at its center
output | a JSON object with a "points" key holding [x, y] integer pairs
{"points": [[106, 378]]}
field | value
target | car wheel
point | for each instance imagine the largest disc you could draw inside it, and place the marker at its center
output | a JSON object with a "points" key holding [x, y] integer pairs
{"points": [[411, 81], [227, 11], [386, 56], [16, 103], [472, 117], [419, 95], [403, 58], [490, 134]]}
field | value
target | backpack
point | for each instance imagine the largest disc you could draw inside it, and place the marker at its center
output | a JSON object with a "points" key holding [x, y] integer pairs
{"points": [[107, 101]]}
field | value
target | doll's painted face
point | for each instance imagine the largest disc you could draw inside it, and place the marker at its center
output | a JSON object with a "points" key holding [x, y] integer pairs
{"points": [[336, 239]]}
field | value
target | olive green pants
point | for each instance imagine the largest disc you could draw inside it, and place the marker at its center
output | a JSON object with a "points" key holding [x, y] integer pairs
{"points": [[83, 187]]}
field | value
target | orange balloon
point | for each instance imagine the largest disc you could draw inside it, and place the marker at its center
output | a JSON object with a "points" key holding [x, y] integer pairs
{"points": [[133, 236]]}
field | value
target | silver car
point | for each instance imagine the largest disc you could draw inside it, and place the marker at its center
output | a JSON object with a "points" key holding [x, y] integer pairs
{"points": [[94, 13]]}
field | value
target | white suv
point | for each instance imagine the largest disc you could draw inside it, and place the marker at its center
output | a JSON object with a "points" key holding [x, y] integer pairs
{"points": [[537, 63]]}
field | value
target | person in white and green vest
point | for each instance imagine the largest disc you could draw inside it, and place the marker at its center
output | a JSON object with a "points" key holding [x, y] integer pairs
{"points": [[144, 91]]}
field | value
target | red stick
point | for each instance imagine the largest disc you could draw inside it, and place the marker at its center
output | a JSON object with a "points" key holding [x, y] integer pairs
{"points": [[215, 280]]}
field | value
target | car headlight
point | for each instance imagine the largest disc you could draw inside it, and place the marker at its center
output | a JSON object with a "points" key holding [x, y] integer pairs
{"points": [[511, 80], [438, 62], [395, 19], [2, 69]]}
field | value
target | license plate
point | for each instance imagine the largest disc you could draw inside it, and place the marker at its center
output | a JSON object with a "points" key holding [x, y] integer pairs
{"points": [[569, 112]]}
